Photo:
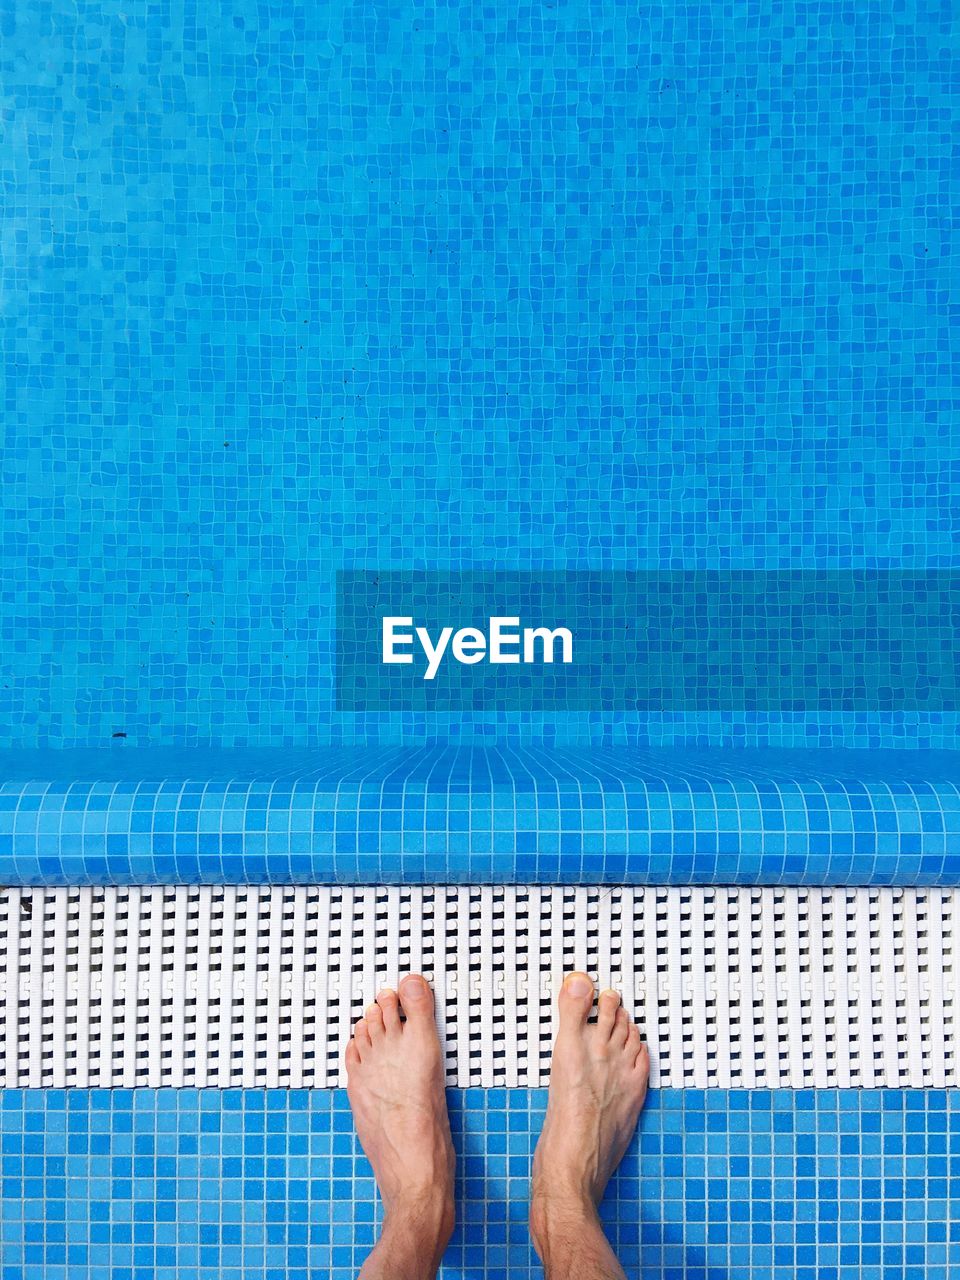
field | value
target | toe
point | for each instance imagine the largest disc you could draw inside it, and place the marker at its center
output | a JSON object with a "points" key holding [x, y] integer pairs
{"points": [[607, 1006], [361, 1038], [374, 1020], [642, 1066], [417, 1000], [621, 1029], [390, 1008], [575, 1000], [351, 1055]]}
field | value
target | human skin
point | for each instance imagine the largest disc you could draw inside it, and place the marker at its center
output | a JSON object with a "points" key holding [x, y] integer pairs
{"points": [[395, 1083]]}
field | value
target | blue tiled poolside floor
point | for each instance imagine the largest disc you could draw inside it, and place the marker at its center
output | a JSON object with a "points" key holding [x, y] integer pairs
{"points": [[184, 1185]]}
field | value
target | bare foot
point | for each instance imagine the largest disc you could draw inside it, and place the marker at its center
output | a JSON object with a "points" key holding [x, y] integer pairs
{"points": [[395, 1083], [598, 1084]]}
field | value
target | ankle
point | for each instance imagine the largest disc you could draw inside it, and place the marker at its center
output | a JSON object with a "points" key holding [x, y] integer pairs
{"points": [[560, 1214], [427, 1219]]}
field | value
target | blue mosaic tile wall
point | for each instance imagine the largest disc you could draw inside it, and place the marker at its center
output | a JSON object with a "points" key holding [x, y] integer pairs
{"points": [[302, 287], [179, 1185], [748, 817]]}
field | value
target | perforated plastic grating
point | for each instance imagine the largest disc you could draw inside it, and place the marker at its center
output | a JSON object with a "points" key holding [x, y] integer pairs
{"points": [[259, 986]]}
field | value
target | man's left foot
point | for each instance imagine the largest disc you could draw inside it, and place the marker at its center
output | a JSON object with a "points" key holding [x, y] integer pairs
{"points": [[395, 1082]]}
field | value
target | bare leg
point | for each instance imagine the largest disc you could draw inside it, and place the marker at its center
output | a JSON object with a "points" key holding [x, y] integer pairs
{"points": [[598, 1084], [396, 1089]]}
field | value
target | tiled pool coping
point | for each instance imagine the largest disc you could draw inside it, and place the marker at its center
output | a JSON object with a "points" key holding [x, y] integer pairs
{"points": [[134, 815]]}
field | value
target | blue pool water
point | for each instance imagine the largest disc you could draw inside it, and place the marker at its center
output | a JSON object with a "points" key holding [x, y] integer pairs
{"points": [[287, 289], [299, 288]]}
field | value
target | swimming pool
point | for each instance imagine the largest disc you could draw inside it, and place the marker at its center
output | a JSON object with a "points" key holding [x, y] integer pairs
{"points": [[297, 290]]}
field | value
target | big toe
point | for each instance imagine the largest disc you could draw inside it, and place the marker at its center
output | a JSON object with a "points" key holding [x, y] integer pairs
{"points": [[575, 1000], [417, 1000]]}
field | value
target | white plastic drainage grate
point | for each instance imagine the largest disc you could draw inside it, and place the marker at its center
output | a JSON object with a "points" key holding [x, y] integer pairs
{"points": [[237, 986]]}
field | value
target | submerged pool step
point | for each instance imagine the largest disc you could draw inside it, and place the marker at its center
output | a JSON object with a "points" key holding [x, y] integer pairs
{"points": [[259, 986]]}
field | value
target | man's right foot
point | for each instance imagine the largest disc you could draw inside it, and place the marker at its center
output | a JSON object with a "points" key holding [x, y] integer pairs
{"points": [[598, 1084]]}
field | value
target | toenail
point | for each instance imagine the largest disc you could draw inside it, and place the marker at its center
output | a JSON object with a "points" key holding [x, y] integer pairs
{"points": [[414, 984], [385, 992], [578, 985]]}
